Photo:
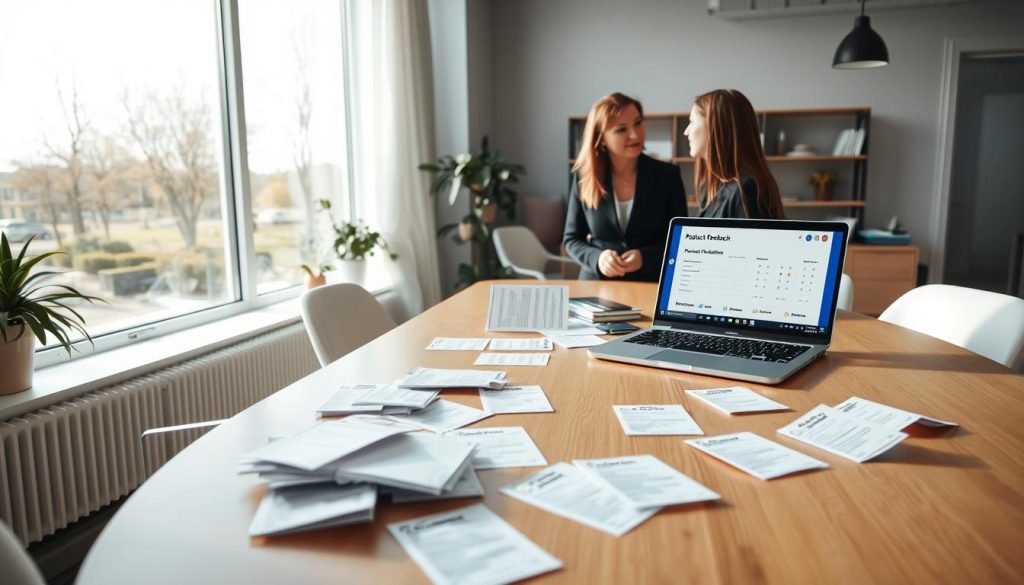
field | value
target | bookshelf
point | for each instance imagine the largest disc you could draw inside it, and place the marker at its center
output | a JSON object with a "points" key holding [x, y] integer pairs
{"points": [[819, 128]]}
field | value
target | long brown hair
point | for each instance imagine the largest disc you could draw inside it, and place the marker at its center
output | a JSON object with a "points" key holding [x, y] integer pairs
{"points": [[733, 151], [593, 162]]}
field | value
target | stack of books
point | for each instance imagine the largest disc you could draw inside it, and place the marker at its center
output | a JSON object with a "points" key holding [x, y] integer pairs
{"points": [[598, 310]]}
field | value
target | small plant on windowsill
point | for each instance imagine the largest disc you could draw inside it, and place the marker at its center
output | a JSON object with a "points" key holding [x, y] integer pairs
{"points": [[353, 243], [27, 313], [318, 277]]}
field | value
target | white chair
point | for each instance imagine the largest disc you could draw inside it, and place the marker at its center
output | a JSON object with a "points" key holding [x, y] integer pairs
{"points": [[342, 317], [987, 323], [16, 566], [845, 301], [519, 250]]}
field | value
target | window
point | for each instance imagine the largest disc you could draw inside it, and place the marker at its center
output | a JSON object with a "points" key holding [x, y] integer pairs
{"points": [[120, 141]]}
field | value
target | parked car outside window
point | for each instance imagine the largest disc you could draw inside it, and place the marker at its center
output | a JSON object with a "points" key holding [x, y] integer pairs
{"points": [[19, 231]]}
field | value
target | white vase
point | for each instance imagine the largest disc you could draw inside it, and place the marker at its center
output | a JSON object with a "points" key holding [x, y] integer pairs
{"points": [[16, 361], [353, 271]]}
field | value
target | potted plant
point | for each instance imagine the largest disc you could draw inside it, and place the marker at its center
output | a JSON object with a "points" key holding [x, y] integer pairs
{"points": [[318, 277], [353, 242], [486, 176], [28, 313]]}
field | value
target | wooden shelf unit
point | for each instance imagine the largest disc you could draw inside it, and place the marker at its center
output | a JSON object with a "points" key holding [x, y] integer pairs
{"points": [[818, 127]]}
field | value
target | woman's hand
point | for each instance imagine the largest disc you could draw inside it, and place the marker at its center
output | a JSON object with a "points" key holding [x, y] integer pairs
{"points": [[632, 260], [610, 264]]}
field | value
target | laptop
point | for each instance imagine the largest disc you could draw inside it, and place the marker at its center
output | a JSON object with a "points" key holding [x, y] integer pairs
{"points": [[746, 299]]}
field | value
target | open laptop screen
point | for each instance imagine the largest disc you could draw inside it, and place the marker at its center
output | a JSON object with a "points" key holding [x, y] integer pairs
{"points": [[740, 275]]}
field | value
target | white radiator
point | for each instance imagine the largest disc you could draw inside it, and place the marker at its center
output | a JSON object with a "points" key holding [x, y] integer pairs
{"points": [[61, 463]]}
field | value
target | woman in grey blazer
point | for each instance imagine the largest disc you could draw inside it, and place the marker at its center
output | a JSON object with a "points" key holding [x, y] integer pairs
{"points": [[622, 200]]}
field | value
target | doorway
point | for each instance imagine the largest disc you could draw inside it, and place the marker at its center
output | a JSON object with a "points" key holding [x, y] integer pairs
{"points": [[985, 227]]}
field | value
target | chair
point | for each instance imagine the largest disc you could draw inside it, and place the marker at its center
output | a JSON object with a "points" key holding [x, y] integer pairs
{"points": [[519, 250], [17, 566], [342, 317], [987, 323], [845, 293]]}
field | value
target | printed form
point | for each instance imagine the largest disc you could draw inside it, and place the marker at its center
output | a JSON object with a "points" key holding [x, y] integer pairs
{"points": [[842, 434], [756, 455], [531, 344], [501, 447], [737, 399], [656, 419], [515, 399], [512, 359], [528, 308], [887, 416], [458, 344], [471, 545], [644, 481], [444, 415]]}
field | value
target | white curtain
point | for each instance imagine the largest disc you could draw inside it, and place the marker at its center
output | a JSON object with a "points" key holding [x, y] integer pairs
{"points": [[393, 132]]}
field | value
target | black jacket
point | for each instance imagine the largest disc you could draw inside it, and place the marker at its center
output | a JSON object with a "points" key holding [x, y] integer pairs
{"points": [[659, 196], [731, 203]]}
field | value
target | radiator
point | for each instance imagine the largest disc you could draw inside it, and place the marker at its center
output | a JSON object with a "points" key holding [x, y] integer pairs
{"points": [[61, 463]]}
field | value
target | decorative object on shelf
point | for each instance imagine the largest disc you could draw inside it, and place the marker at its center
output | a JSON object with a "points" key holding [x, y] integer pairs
{"points": [[27, 314], [318, 277], [802, 150], [486, 176], [862, 48], [780, 143], [353, 242], [824, 183]]}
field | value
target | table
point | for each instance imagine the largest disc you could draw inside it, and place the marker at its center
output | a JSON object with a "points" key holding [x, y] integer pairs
{"points": [[944, 506]]}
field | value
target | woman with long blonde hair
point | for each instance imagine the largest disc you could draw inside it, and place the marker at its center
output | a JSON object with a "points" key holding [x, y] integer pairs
{"points": [[731, 175], [621, 200]]}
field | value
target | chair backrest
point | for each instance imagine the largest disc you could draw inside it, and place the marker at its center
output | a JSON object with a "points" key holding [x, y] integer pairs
{"points": [[16, 566], [517, 247], [342, 317], [845, 301], [987, 323]]}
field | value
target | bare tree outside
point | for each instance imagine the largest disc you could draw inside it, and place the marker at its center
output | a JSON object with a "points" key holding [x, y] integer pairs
{"points": [[110, 168], [302, 147], [39, 179], [68, 151], [172, 133]]}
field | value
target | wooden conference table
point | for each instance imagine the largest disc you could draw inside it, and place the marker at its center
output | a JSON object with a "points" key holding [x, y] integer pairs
{"points": [[941, 507]]}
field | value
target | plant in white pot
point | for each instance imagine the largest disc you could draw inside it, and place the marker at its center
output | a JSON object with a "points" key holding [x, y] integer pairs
{"points": [[353, 243], [27, 313]]}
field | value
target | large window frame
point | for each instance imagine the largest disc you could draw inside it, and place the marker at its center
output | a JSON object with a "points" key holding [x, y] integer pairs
{"points": [[236, 201]]}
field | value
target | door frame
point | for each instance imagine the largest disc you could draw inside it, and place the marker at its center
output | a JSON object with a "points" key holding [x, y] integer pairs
{"points": [[953, 49]]}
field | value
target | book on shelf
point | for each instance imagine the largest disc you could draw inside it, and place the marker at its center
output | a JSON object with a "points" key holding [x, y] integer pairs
{"points": [[599, 310]]}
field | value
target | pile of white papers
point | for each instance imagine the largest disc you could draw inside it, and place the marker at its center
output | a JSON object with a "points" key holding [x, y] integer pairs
{"points": [[438, 378], [843, 434], [328, 474], [756, 455], [444, 415], [575, 340], [528, 308], [471, 545]]}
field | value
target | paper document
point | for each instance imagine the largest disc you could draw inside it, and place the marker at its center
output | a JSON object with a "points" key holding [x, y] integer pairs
{"points": [[576, 327], [501, 447], [569, 491], [656, 419], [308, 507], [436, 378], [842, 434], [445, 415], [327, 441], [515, 399], [737, 399], [644, 481], [532, 344], [528, 308], [887, 416], [471, 545], [458, 344], [756, 455], [468, 486], [418, 462], [342, 402], [512, 359], [392, 395], [572, 341]]}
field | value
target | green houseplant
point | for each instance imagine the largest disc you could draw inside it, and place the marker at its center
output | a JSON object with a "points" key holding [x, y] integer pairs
{"points": [[353, 243], [28, 312], [487, 177]]}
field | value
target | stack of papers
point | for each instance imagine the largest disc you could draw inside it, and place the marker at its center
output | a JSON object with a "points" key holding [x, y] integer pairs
{"points": [[328, 474], [443, 416], [471, 545], [343, 402], [756, 455], [438, 378], [843, 434]]}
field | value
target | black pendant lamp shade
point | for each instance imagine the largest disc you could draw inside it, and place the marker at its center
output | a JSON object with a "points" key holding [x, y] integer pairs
{"points": [[862, 48]]}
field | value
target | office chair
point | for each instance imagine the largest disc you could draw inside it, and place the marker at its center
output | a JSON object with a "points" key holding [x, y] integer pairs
{"points": [[845, 301], [987, 323], [519, 250], [342, 317], [17, 566]]}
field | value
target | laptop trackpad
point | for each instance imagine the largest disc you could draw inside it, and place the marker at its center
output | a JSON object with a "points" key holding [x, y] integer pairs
{"points": [[700, 360]]}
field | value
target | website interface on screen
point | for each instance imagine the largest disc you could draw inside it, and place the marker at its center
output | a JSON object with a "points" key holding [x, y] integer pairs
{"points": [[763, 278]]}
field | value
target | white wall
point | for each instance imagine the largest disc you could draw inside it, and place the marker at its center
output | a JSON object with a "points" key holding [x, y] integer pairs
{"points": [[553, 59]]}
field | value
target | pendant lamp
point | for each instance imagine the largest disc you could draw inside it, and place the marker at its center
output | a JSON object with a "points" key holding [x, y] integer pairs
{"points": [[862, 48]]}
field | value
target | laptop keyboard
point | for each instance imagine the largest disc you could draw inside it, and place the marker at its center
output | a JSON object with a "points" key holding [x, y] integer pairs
{"points": [[752, 349]]}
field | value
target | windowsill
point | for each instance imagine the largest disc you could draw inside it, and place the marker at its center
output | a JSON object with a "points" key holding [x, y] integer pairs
{"points": [[70, 379]]}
